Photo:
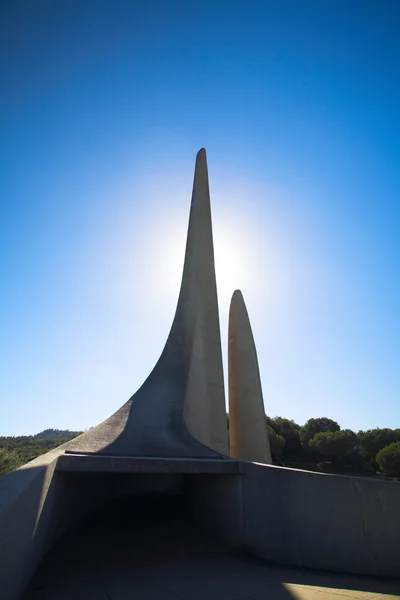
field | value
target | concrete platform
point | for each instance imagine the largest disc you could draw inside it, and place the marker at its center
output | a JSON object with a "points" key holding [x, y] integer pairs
{"points": [[146, 548], [95, 463]]}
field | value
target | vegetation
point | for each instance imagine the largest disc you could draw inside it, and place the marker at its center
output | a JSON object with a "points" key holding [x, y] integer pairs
{"points": [[9, 461], [337, 447], [276, 441], [388, 459], [321, 445], [16, 451]]}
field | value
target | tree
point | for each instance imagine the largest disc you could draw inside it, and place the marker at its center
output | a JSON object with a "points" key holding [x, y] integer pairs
{"points": [[289, 430], [388, 459], [337, 447], [373, 440], [314, 426], [276, 442], [8, 461]]}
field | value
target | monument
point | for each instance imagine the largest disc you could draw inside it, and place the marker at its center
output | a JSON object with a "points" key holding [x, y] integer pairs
{"points": [[173, 433], [180, 409]]}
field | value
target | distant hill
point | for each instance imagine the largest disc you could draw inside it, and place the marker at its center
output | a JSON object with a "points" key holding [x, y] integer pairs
{"points": [[55, 434], [46, 434], [18, 450]]}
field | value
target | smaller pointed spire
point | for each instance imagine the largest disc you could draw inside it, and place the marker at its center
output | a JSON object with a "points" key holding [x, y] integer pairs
{"points": [[248, 432]]}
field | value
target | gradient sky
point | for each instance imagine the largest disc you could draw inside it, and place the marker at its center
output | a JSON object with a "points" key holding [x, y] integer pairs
{"points": [[104, 105]]}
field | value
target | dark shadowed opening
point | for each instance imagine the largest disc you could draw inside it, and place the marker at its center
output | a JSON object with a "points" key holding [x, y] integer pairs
{"points": [[142, 544]]}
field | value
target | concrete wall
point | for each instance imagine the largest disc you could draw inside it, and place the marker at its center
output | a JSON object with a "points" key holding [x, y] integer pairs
{"points": [[304, 519], [38, 504], [23, 494]]}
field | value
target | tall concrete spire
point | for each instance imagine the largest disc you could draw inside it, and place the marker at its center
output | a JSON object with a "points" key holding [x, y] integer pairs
{"points": [[248, 431], [204, 409], [180, 408]]}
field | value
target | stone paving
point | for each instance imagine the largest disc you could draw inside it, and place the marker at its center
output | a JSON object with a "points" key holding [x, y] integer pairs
{"points": [[152, 552]]}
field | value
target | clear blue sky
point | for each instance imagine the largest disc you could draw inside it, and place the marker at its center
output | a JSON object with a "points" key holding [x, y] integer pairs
{"points": [[104, 105]]}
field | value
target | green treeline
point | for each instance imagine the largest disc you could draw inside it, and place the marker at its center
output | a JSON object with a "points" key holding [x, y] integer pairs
{"points": [[17, 451], [321, 445]]}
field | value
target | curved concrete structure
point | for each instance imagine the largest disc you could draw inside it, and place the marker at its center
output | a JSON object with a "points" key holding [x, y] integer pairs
{"points": [[248, 433], [180, 409]]}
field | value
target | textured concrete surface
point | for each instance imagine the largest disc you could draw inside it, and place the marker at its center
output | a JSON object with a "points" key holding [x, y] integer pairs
{"points": [[148, 549], [127, 464], [322, 521], [23, 523], [248, 433], [332, 522]]}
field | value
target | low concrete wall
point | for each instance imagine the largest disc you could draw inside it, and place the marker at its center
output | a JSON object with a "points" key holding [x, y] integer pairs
{"points": [[38, 504], [330, 522], [23, 524]]}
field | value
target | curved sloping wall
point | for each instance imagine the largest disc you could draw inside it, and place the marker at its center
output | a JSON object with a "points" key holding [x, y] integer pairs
{"points": [[304, 519], [180, 409]]}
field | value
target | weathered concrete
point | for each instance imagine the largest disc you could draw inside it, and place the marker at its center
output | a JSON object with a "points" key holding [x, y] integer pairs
{"points": [[37, 506], [304, 519], [128, 464], [23, 524], [248, 433], [321, 521]]}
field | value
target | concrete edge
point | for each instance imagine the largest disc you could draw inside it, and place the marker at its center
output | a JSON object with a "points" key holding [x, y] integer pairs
{"points": [[128, 464]]}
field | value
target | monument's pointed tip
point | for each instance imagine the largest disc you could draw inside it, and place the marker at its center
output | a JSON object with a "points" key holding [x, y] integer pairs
{"points": [[200, 184], [237, 294], [237, 301], [201, 159]]}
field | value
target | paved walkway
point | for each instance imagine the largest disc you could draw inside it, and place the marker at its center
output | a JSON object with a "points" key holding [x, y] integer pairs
{"points": [[151, 552]]}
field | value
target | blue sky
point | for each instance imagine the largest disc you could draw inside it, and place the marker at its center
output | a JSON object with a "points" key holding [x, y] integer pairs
{"points": [[104, 105]]}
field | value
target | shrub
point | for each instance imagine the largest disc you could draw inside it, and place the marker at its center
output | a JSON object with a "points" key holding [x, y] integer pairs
{"points": [[325, 466], [388, 459], [276, 442], [289, 431], [373, 440], [337, 447], [314, 426], [8, 461]]}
